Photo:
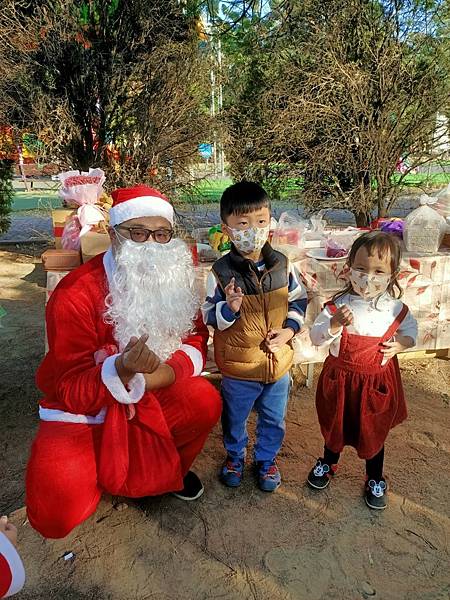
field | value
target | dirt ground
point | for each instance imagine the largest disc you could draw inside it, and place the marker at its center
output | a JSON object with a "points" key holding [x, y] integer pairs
{"points": [[237, 544]]}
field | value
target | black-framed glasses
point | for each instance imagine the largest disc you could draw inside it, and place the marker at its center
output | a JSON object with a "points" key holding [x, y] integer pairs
{"points": [[141, 234]]}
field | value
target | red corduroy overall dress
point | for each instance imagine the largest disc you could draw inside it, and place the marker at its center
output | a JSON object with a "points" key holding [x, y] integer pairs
{"points": [[358, 399]]}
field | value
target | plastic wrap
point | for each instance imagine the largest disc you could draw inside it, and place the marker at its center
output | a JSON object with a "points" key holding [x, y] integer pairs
{"points": [[424, 228]]}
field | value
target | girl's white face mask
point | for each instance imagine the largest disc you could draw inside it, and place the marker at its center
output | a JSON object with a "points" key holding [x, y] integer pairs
{"points": [[251, 239], [368, 286]]}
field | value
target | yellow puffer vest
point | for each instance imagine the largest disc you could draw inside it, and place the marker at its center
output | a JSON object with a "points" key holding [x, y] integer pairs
{"points": [[240, 351]]}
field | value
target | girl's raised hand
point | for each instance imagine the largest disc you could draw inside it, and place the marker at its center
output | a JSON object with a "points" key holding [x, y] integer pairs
{"points": [[341, 318]]}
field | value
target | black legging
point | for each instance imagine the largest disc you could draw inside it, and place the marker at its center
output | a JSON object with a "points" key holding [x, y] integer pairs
{"points": [[374, 465]]}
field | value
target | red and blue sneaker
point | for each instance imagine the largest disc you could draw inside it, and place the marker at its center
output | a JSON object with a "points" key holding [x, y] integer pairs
{"points": [[232, 471], [269, 476]]}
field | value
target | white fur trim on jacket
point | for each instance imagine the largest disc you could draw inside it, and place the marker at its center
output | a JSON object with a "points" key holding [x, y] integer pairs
{"points": [[15, 565], [53, 414], [143, 206], [195, 356], [109, 263], [112, 381]]}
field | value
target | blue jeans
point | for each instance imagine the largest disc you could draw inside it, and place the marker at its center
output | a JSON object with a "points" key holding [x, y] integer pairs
{"points": [[270, 402]]}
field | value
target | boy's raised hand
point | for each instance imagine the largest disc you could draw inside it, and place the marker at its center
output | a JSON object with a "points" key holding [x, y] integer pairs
{"points": [[341, 318], [234, 296]]}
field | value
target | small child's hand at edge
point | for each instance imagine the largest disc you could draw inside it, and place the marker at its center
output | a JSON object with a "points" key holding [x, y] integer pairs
{"points": [[8, 529]]}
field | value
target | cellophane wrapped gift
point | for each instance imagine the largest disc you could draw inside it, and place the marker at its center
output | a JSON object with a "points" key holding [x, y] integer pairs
{"points": [[424, 228], [84, 190], [81, 187], [288, 235], [289, 230]]}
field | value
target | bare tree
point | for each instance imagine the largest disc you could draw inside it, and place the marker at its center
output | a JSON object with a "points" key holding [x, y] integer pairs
{"points": [[347, 88], [111, 83]]}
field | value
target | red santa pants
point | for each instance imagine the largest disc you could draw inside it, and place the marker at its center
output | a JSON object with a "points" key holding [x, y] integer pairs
{"points": [[63, 462]]}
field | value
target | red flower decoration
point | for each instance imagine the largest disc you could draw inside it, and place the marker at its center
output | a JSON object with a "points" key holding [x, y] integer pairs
{"points": [[403, 274], [415, 264]]}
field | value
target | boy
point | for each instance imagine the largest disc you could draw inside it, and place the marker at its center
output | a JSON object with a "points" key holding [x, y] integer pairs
{"points": [[256, 304]]}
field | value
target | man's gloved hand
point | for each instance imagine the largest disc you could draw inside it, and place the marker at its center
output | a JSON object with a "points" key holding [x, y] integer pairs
{"points": [[136, 358]]}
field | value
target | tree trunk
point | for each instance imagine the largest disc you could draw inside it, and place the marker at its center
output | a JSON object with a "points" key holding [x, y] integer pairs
{"points": [[6, 193], [383, 186], [362, 219]]}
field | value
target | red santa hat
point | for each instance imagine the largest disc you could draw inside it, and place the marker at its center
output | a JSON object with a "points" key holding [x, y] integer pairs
{"points": [[139, 201]]}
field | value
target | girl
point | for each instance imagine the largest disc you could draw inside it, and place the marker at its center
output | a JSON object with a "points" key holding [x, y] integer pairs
{"points": [[359, 394]]}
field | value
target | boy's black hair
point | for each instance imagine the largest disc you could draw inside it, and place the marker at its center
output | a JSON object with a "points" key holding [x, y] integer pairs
{"points": [[243, 197]]}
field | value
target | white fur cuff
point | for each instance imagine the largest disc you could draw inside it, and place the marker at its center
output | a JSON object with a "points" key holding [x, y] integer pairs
{"points": [[112, 381], [334, 335], [15, 565], [195, 357]]}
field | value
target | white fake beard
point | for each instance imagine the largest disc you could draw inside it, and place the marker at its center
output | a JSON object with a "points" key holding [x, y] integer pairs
{"points": [[152, 292]]}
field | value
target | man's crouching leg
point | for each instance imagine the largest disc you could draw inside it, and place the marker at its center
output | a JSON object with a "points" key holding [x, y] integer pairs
{"points": [[191, 407], [61, 480]]}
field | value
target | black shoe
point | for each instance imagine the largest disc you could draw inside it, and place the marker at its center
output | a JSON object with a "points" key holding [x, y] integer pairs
{"points": [[319, 477], [375, 494], [193, 488]]}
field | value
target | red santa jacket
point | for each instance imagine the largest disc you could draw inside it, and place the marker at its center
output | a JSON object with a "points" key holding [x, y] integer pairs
{"points": [[78, 390], [12, 574]]}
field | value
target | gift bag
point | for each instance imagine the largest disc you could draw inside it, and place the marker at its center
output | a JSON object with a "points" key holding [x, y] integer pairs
{"points": [[81, 188], [289, 230], [84, 190]]}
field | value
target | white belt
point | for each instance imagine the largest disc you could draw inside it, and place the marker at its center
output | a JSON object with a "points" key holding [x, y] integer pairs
{"points": [[53, 414]]}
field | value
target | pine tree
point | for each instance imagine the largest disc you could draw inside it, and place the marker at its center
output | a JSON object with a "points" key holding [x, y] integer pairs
{"points": [[6, 193]]}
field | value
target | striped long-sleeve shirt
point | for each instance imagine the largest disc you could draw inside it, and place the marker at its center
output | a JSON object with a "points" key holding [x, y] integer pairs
{"points": [[219, 315]]}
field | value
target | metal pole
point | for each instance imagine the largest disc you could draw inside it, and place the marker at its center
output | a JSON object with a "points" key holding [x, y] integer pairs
{"points": [[213, 113], [220, 106]]}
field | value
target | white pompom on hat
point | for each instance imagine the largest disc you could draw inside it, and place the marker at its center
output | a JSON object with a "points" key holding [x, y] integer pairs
{"points": [[139, 201]]}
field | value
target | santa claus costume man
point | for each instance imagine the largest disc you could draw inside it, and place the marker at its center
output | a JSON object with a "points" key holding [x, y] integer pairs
{"points": [[124, 409]]}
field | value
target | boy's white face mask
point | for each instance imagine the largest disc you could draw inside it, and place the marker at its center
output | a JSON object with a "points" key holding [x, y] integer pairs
{"points": [[368, 286], [251, 239]]}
